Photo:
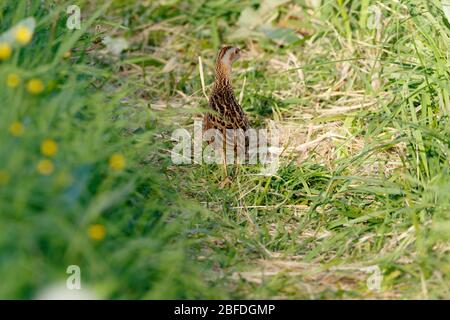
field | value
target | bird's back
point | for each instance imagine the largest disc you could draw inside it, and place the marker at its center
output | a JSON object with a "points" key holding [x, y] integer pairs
{"points": [[228, 114]]}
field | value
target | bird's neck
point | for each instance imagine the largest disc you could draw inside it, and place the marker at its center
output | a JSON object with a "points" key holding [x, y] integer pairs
{"points": [[222, 76]]}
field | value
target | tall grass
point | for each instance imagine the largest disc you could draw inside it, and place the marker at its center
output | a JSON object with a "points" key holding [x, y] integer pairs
{"points": [[377, 193]]}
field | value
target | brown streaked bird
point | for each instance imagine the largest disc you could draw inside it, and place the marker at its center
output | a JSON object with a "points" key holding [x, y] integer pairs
{"points": [[228, 114]]}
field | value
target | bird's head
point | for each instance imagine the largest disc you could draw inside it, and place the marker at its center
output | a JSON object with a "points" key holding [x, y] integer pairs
{"points": [[227, 55]]}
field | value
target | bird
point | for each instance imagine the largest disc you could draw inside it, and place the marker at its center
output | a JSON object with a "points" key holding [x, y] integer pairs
{"points": [[226, 113]]}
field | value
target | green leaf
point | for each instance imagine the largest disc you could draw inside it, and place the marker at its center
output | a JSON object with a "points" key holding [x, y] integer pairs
{"points": [[281, 36], [446, 8]]}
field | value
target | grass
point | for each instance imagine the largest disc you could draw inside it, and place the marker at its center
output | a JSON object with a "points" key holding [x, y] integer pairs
{"points": [[363, 182], [47, 215]]}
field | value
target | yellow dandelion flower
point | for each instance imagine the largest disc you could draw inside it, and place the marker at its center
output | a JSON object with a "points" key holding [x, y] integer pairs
{"points": [[5, 51], [23, 35], [13, 80], [117, 162], [4, 178], [97, 232], [35, 86], [49, 148], [16, 129], [67, 55], [45, 167]]}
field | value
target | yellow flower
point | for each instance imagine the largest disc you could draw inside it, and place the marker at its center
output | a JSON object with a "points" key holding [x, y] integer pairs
{"points": [[96, 232], [45, 167], [4, 178], [5, 51], [23, 35], [117, 162], [13, 80], [67, 55], [35, 86], [49, 148], [16, 129]]}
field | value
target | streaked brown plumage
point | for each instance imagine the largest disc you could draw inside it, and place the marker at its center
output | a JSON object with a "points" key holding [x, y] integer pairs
{"points": [[228, 113]]}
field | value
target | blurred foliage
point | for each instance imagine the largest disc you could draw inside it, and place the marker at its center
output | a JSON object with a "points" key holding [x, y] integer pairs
{"points": [[75, 188]]}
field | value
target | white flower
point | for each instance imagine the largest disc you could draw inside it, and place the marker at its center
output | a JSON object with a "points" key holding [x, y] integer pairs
{"points": [[10, 36]]}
